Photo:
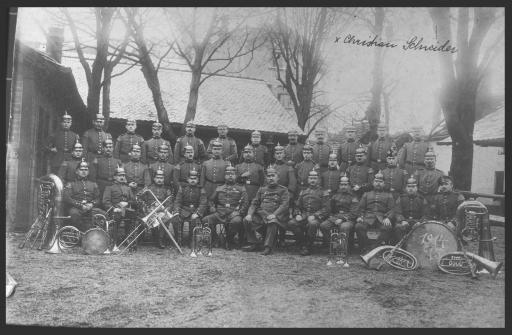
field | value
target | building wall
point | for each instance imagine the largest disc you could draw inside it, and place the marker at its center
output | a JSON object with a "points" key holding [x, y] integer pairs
{"points": [[486, 161]]}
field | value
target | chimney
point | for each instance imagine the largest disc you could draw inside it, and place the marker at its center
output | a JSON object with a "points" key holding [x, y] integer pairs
{"points": [[54, 42]]}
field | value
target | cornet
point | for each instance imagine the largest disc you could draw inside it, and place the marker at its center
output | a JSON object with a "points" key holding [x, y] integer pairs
{"points": [[338, 247], [201, 241]]}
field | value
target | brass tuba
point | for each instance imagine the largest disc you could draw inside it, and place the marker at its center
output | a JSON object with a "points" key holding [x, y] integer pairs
{"points": [[201, 241]]}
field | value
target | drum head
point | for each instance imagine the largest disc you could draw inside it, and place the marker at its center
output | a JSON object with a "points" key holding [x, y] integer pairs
{"points": [[430, 241], [95, 241]]}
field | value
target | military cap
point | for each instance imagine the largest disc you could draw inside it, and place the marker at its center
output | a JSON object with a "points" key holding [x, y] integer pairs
{"points": [[230, 169], [256, 133], [333, 157], [189, 148], [248, 148], [313, 173], [293, 132], [382, 126], [66, 116], [222, 125], [99, 116], [77, 145], [136, 147], [361, 150], [278, 148], [350, 128], [119, 171], [159, 172], [271, 170], [379, 176], [131, 120], [190, 124], [412, 181], [163, 147], [430, 152], [307, 147], [193, 173], [107, 141], [216, 144], [444, 179], [83, 164], [156, 125], [344, 179]]}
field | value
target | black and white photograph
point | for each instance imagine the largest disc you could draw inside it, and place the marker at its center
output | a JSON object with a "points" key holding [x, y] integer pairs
{"points": [[255, 167]]}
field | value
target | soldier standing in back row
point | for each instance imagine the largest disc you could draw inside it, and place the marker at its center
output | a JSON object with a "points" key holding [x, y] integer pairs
{"points": [[200, 154], [303, 168], [321, 151], [92, 139], [379, 148], [229, 149], [428, 178], [67, 170], [261, 153], [330, 179], [125, 142], [150, 147], [293, 151], [60, 144], [347, 149], [212, 171], [413, 153]]}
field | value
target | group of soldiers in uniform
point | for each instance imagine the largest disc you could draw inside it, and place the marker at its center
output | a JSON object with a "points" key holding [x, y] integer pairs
{"points": [[307, 189]]}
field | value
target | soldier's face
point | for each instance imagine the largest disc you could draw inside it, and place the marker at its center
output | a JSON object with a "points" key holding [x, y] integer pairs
{"points": [[344, 187], [157, 132], [416, 134], [430, 162], [279, 155], [256, 139], [83, 172], [108, 148], [190, 129], [391, 161], [131, 126], [135, 155], [223, 131], [162, 154], [320, 137], [216, 151], [248, 155], [66, 124], [313, 180], [378, 184], [381, 132], [159, 180], [332, 163], [230, 177], [193, 180], [292, 138], [120, 178], [272, 178], [98, 124], [360, 158], [351, 134], [446, 186], [189, 154], [308, 155], [77, 152], [411, 189]]}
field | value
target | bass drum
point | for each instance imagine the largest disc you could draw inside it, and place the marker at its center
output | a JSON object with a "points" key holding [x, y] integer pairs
{"points": [[95, 241], [429, 241]]}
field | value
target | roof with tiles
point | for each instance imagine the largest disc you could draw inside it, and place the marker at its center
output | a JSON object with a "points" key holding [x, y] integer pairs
{"points": [[240, 103]]}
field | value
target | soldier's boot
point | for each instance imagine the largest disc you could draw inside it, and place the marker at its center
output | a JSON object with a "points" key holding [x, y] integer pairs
{"points": [[161, 242], [230, 241]]}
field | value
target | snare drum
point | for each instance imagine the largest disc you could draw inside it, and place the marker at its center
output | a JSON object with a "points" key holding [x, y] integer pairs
{"points": [[95, 241], [430, 241]]}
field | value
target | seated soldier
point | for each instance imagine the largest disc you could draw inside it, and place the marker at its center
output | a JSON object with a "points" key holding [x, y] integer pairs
{"points": [[83, 197], [190, 205], [228, 205], [311, 208], [444, 204], [410, 209], [268, 210], [164, 195], [375, 210], [120, 198], [343, 206]]}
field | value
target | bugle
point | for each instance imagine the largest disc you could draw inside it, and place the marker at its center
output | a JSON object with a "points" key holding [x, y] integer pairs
{"points": [[460, 263]]}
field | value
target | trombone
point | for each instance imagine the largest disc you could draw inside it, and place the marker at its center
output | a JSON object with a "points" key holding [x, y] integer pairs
{"points": [[151, 220]]}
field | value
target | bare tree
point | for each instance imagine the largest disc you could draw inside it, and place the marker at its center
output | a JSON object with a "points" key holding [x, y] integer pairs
{"points": [[460, 80], [210, 36]]}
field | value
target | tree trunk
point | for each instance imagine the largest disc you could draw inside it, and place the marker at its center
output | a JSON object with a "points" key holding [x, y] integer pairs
{"points": [[193, 96], [106, 94]]}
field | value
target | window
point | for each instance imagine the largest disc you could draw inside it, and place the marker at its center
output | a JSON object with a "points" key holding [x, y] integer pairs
{"points": [[499, 182]]}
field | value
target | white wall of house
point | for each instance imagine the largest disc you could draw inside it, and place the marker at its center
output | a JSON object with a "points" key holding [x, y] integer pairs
{"points": [[486, 161]]}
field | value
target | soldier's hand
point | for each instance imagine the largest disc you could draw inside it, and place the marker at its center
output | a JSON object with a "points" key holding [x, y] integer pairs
{"points": [[123, 204], [359, 220], [248, 218], [246, 174], [405, 223], [194, 216], [117, 210], [386, 222], [53, 149], [356, 187], [298, 217], [338, 221], [132, 184], [271, 217], [311, 219]]}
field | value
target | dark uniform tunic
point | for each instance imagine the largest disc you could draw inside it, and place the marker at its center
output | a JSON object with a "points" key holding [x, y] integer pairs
{"points": [[444, 206], [161, 192], [77, 193], [182, 171], [293, 152], [409, 208], [261, 154], [362, 175], [374, 207], [343, 205], [149, 150], [67, 170], [212, 175], [92, 142], [311, 201], [301, 172], [103, 171], [428, 182], [330, 180], [231, 204], [395, 180], [124, 144], [189, 200], [268, 200], [168, 169], [255, 179], [412, 156], [321, 154], [377, 152], [63, 141], [229, 150], [112, 196], [347, 154], [286, 176], [198, 145], [135, 173]]}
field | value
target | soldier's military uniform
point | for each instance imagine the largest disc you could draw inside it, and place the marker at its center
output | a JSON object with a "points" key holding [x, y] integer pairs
{"points": [[378, 150], [395, 178], [250, 175], [182, 171], [62, 141], [373, 208], [79, 192], [161, 164], [444, 206], [330, 179], [190, 199], [200, 154], [150, 147], [212, 173], [313, 201], [125, 142], [230, 204], [343, 207], [412, 156], [321, 153], [293, 151], [135, 171], [428, 178], [92, 140], [270, 199], [302, 170], [360, 175], [410, 208], [286, 174], [104, 168], [229, 149], [67, 169], [347, 150]]}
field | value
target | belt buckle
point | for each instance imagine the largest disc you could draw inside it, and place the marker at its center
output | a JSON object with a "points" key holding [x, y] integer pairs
{"points": [[248, 182]]}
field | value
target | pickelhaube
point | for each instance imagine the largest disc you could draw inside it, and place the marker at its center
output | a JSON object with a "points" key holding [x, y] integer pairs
{"points": [[313, 173], [256, 133], [344, 179], [230, 169], [159, 173], [163, 147], [99, 116], [379, 176], [190, 123], [189, 148], [136, 147], [361, 150], [106, 141], [293, 132], [430, 152], [77, 145], [248, 148], [119, 171], [216, 144], [271, 170], [278, 148], [131, 120], [66, 116], [193, 173], [333, 156], [83, 164], [156, 125], [307, 147], [412, 181]]}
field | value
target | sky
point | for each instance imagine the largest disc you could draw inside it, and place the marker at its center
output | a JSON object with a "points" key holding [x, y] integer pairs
{"points": [[348, 66]]}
